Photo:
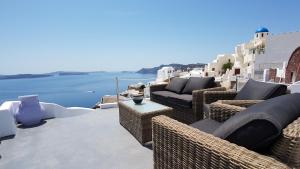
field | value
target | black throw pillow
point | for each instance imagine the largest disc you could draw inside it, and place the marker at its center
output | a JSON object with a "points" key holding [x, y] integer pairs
{"points": [[198, 83], [176, 85], [255, 90], [258, 126]]}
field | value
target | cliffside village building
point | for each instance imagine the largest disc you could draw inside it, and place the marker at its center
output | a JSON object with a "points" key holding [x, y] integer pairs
{"points": [[266, 57]]}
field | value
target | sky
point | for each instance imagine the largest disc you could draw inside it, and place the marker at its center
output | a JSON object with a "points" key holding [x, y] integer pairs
{"points": [[39, 36]]}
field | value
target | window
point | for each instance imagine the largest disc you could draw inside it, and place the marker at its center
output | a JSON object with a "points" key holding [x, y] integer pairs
{"points": [[253, 51], [229, 60], [248, 64], [262, 35], [213, 69], [257, 35], [237, 71]]}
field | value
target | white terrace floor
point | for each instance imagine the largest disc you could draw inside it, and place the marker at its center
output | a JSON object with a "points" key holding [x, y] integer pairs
{"points": [[93, 140]]}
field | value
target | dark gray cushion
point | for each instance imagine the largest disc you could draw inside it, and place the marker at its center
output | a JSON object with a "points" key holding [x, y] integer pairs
{"points": [[162, 96], [259, 125], [255, 90], [198, 83], [181, 100], [173, 99], [176, 85], [206, 125]]}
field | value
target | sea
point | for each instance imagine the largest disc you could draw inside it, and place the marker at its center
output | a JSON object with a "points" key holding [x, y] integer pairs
{"points": [[71, 90]]}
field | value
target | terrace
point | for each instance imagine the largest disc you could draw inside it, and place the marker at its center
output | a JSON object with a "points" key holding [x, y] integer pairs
{"points": [[91, 140], [259, 132]]}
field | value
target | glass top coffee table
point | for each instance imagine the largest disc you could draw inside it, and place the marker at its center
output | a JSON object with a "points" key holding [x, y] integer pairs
{"points": [[136, 118]]}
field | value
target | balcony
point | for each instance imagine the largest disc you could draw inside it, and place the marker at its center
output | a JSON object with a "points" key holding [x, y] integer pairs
{"points": [[93, 140]]}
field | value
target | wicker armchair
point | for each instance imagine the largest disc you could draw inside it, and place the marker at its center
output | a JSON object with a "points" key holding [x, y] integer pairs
{"points": [[183, 114], [177, 145], [213, 96], [229, 97], [226, 97]]}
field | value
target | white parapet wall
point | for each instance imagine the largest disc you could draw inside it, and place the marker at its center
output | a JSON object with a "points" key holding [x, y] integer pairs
{"points": [[10, 108]]}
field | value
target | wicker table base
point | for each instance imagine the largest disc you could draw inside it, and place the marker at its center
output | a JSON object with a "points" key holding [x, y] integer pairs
{"points": [[137, 118]]}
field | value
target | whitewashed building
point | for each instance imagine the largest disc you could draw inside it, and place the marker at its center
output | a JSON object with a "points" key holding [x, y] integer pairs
{"points": [[165, 73], [215, 68], [264, 51]]}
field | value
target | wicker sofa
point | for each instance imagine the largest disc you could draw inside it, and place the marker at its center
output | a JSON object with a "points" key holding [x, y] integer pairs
{"points": [[187, 108], [177, 145]]}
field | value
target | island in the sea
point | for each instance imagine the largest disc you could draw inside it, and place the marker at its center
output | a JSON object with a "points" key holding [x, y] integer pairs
{"points": [[72, 73], [30, 76], [174, 65], [75, 73], [23, 76]]}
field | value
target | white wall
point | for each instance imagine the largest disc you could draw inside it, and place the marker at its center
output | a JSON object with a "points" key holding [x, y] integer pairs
{"points": [[278, 50], [218, 64]]}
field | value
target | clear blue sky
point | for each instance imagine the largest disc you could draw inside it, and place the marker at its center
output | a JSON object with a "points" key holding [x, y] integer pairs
{"points": [[39, 36]]}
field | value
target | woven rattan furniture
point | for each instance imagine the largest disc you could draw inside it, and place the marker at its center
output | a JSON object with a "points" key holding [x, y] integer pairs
{"points": [[137, 118], [253, 92], [227, 96], [183, 114], [177, 145]]}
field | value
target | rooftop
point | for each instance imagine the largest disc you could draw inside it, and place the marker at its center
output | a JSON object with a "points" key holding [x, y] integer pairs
{"points": [[261, 29], [92, 140]]}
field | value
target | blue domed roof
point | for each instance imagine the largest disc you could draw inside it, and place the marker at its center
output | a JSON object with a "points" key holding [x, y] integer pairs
{"points": [[261, 29]]}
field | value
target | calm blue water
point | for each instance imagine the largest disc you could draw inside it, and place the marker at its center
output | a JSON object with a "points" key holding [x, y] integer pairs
{"points": [[69, 90]]}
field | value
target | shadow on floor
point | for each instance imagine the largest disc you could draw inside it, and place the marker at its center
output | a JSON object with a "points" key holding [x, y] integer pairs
{"points": [[7, 138], [37, 125], [149, 145]]}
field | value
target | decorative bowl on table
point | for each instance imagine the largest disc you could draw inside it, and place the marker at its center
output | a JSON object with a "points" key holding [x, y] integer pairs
{"points": [[137, 98]]}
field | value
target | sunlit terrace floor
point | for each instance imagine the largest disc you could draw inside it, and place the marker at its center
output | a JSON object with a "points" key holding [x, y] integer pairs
{"points": [[92, 140]]}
